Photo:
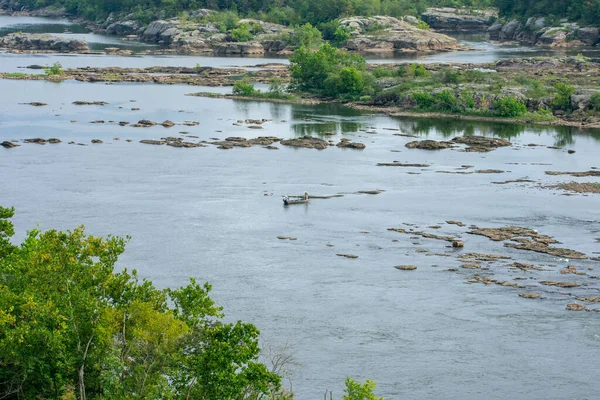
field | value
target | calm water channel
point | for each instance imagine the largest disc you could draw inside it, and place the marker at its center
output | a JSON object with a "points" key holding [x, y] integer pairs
{"points": [[215, 215]]}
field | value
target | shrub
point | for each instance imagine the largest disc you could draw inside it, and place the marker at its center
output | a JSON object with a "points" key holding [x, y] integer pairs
{"points": [[55, 69], [347, 83], [562, 99], [241, 33], [446, 101], [595, 101], [423, 25], [341, 35], [307, 36], [449, 75], [509, 107], [225, 21], [418, 70], [243, 88], [381, 72], [423, 99]]}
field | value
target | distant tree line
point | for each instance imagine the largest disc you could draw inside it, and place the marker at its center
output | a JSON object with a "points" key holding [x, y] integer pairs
{"points": [[586, 11], [279, 11]]}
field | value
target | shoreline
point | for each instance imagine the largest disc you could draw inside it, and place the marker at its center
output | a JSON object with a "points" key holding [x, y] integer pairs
{"points": [[399, 112]]}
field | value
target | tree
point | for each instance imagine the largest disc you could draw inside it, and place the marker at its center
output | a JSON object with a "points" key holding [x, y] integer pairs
{"points": [[329, 71], [306, 36], [357, 391], [71, 326]]}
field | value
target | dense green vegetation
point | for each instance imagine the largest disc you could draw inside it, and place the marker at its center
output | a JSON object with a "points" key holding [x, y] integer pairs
{"points": [[280, 11], [73, 328], [331, 72], [587, 11]]}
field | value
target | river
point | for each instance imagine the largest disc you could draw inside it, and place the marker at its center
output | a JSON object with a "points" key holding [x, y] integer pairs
{"points": [[215, 215]]}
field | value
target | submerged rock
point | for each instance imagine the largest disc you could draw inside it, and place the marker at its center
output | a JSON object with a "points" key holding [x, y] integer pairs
{"points": [[308, 142], [406, 267], [347, 255], [346, 143], [575, 307], [530, 295], [8, 145], [428, 145], [89, 103]]}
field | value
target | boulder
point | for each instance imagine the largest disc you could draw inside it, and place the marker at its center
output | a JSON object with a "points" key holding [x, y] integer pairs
{"points": [[580, 100], [494, 31], [153, 31], [589, 36], [123, 28], [510, 30], [456, 19], [555, 37], [42, 42], [428, 145], [238, 48], [8, 145], [376, 34]]}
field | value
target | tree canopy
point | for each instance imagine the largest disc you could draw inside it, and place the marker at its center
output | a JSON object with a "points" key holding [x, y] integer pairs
{"points": [[71, 326]]}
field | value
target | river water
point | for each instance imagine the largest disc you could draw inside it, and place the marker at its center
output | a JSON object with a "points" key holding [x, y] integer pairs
{"points": [[215, 215]]}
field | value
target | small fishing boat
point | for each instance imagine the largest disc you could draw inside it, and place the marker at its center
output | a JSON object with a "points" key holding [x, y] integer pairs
{"points": [[288, 201]]}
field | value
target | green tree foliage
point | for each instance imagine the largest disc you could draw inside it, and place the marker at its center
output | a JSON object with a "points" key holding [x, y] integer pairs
{"points": [[54, 69], [330, 71], [72, 327], [587, 11], [356, 391], [562, 98], [306, 36], [243, 88], [509, 107], [288, 12], [595, 101], [241, 33]]}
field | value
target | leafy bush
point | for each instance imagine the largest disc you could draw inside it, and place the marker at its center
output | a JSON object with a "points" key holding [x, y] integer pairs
{"points": [[356, 391], [381, 72], [348, 83], [418, 70], [424, 100], [449, 75], [225, 21], [330, 71], [341, 35], [509, 107], [423, 25], [562, 99], [241, 33], [306, 36], [446, 101], [55, 69], [243, 88], [595, 101]]}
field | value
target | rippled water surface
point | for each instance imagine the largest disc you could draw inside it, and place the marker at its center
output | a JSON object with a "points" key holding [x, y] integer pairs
{"points": [[215, 215]]}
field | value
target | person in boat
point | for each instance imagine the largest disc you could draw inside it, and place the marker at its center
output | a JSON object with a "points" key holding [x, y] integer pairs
{"points": [[286, 199], [305, 195]]}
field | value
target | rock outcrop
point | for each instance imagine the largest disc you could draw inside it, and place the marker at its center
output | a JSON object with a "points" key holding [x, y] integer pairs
{"points": [[388, 34], [456, 19], [537, 32], [42, 42]]}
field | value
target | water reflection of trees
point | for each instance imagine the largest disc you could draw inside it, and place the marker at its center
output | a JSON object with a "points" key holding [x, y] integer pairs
{"points": [[563, 135], [319, 128]]}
